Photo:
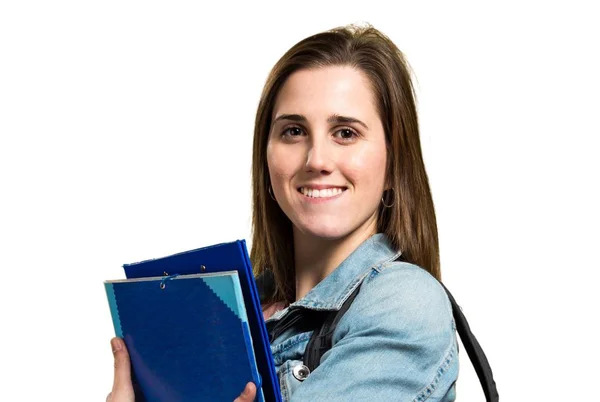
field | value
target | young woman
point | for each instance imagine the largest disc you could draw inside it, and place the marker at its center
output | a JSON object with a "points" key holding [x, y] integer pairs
{"points": [[340, 194]]}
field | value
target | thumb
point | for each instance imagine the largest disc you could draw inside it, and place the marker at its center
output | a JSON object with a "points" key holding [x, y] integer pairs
{"points": [[122, 387], [248, 394]]}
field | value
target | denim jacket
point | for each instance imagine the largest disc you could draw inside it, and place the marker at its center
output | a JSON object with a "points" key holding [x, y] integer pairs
{"points": [[396, 342]]}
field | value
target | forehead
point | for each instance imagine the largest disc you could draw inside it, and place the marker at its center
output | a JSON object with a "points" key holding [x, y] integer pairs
{"points": [[322, 91]]}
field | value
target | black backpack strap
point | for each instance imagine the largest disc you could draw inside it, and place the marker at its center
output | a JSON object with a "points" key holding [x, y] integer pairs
{"points": [[474, 351], [322, 338]]}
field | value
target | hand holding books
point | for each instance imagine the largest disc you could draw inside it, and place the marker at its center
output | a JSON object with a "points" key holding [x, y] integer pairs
{"points": [[190, 327]]}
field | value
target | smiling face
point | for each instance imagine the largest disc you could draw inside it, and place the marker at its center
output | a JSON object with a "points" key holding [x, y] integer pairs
{"points": [[327, 152]]}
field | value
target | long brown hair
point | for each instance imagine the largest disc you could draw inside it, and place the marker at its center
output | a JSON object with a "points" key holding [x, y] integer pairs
{"points": [[410, 222]]}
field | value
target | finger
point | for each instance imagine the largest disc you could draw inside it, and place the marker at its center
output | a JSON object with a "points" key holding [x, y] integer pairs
{"points": [[122, 388], [248, 394]]}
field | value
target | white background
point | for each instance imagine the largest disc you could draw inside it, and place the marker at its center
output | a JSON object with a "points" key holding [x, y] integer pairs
{"points": [[126, 132]]}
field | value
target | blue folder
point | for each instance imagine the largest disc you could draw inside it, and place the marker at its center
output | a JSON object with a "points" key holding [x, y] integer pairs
{"points": [[216, 259]]}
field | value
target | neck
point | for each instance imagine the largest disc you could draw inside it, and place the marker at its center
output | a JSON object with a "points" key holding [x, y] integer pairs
{"points": [[316, 257]]}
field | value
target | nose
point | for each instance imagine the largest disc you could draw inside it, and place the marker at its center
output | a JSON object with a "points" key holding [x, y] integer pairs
{"points": [[319, 157]]}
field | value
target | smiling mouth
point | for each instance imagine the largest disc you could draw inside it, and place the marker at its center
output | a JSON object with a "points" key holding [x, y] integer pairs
{"points": [[323, 193]]}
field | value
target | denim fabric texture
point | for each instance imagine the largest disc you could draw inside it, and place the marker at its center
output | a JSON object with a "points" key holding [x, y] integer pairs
{"points": [[397, 341]]}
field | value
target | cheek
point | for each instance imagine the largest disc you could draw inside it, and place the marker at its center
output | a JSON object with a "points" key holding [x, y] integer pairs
{"points": [[367, 167], [281, 163]]}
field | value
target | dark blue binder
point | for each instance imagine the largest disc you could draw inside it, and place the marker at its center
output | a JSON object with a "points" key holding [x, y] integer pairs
{"points": [[216, 259]]}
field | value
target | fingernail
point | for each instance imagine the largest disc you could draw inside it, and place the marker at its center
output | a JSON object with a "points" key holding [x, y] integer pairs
{"points": [[116, 344]]}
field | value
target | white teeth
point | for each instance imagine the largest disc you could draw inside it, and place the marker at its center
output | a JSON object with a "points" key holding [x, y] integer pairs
{"points": [[325, 193]]}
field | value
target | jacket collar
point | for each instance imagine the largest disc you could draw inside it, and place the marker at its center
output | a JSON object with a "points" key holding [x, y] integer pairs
{"points": [[333, 290]]}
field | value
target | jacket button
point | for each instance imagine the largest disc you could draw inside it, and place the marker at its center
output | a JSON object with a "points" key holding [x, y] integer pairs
{"points": [[301, 372]]}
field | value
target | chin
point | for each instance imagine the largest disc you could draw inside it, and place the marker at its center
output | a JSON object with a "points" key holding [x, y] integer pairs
{"points": [[323, 231]]}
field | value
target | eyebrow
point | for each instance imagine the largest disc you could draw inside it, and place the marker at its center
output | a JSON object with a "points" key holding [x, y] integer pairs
{"points": [[334, 118]]}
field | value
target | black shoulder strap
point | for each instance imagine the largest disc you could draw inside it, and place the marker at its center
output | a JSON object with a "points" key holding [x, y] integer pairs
{"points": [[474, 351], [321, 341]]}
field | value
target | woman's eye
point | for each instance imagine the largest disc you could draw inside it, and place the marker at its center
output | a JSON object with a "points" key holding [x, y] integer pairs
{"points": [[292, 131], [346, 134]]}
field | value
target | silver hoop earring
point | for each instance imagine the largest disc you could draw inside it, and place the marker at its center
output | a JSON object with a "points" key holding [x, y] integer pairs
{"points": [[393, 202], [270, 190]]}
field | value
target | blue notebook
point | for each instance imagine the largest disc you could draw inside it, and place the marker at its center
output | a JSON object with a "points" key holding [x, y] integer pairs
{"points": [[193, 325]]}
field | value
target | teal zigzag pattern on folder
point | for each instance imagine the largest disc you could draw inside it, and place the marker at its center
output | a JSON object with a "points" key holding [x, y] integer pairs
{"points": [[227, 288], [112, 302]]}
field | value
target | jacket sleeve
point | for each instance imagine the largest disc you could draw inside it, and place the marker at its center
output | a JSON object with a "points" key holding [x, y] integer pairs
{"points": [[397, 342]]}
